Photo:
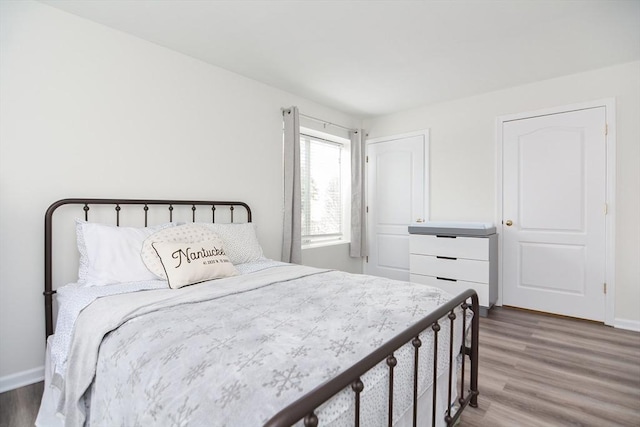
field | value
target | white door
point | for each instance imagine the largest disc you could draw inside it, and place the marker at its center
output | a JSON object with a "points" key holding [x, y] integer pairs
{"points": [[395, 198], [554, 193]]}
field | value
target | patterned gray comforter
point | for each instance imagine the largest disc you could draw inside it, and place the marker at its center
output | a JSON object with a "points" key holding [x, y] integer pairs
{"points": [[235, 351]]}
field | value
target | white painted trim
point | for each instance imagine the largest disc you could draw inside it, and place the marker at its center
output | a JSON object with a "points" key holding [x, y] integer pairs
{"points": [[630, 325], [21, 379], [322, 244], [606, 102], [610, 112], [610, 218], [399, 136], [498, 212]]}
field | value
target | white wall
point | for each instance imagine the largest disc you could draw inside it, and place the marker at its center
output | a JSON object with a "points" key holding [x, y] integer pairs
{"points": [[335, 257], [463, 156], [86, 111]]}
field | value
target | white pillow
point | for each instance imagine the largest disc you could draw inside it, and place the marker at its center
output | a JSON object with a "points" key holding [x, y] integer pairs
{"points": [[190, 263], [240, 241], [110, 254], [180, 233]]}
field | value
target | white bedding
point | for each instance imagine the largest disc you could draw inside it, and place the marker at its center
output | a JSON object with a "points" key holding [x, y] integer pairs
{"points": [[310, 325], [74, 297]]}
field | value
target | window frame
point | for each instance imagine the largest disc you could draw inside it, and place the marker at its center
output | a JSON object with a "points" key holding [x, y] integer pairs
{"points": [[345, 188]]}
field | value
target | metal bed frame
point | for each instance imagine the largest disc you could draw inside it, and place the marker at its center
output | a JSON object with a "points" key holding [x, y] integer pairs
{"points": [[305, 407]]}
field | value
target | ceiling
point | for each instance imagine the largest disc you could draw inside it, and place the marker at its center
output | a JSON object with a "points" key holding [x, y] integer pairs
{"points": [[370, 58]]}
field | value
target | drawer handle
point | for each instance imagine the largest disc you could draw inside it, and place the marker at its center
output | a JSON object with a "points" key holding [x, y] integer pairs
{"points": [[447, 279], [446, 257], [445, 237]]}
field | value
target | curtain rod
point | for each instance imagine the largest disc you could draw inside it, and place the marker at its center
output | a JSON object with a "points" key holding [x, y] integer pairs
{"points": [[324, 122]]}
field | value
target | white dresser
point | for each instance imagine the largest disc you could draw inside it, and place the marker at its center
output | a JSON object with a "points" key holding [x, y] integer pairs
{"points": [[456, 257]]}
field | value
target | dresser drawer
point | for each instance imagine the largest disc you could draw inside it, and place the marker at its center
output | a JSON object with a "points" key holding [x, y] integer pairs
{"points": [[457, 247], [454, 288], [460, 269]]}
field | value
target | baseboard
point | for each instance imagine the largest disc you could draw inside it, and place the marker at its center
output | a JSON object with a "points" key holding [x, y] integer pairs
{"points": [[631, 325], [21, 379]]}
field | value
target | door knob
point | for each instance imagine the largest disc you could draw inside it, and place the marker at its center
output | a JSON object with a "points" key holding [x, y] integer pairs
{"points": [[508, 223], [419, 220]]}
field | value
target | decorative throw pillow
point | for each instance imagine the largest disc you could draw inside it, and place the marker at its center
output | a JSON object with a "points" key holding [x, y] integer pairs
{"points": [[180, 233], [111, 254], [191, 263], [240, 241]]}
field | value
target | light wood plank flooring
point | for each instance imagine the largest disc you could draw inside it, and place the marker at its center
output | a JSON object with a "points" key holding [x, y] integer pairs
{"points": [[19, 407], [543, 370], [535, 370]]}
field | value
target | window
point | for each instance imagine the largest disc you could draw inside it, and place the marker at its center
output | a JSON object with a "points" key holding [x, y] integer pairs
{"points": [[324, 170]]}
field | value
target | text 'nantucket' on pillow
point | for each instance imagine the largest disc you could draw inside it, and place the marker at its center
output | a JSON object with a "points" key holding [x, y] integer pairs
{"points": [[180, 233], [187, 263]]}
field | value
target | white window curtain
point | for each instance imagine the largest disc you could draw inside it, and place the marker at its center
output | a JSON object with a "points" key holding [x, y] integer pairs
{"points": [[358, 247], [291, 237]]}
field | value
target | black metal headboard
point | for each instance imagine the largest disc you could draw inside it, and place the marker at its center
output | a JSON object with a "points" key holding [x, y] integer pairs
{"points": [[117, 203]]}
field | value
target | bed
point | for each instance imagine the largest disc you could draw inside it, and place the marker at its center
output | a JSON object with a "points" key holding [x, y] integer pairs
{"points": [[262, 343]]}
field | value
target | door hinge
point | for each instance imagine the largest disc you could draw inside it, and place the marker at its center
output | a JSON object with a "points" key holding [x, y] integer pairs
{"points": [[606, 129], [605, 288], [366, 159], [606, 208], [366, 259], [367, 209]]}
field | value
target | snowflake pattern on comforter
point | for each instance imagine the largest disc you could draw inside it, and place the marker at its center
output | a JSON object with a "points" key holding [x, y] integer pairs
{"points": [[239, 359]]}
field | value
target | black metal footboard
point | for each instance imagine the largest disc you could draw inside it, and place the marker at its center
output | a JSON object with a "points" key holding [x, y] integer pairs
{"points": [[306, 406]]}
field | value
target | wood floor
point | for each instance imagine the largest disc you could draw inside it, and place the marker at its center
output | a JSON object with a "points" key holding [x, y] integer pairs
{"points": [[19, 407], [542, 370], [535, 370]]}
